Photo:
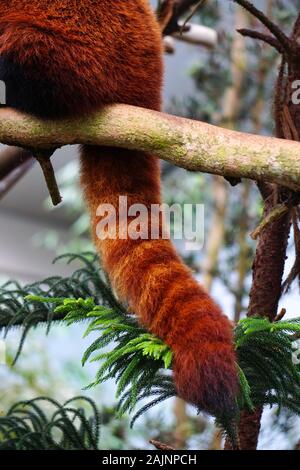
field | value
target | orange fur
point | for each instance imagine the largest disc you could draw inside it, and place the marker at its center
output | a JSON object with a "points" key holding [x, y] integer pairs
{"points": [[69, 57]]}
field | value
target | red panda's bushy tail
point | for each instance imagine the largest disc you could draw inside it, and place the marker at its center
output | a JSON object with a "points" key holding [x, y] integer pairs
{"points": [[149, 276], [66, 60]]}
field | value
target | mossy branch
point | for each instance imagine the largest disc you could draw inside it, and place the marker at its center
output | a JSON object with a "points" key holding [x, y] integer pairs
{"points": [[185, 143]]}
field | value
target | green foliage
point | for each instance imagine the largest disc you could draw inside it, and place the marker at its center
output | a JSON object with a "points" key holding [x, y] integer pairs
{"points": [[137, 360], [86, 281], [268, 374], [27, 427]]}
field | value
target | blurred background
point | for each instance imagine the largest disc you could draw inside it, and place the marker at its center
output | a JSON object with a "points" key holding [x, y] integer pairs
{"points": [[230, 85]]}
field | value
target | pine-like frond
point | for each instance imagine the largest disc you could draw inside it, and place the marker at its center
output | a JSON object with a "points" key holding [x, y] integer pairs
{"points": [[138, 360], [27, 427], [269, 373], [87, 281], [140, 363]]}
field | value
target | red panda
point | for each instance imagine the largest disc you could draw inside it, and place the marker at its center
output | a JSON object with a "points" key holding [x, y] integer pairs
{"points": [[64, 58]]}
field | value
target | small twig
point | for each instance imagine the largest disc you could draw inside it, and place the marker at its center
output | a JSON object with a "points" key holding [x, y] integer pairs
{"points": [[11, 158], [14, 176], [179, 9], [15, 162], [44, 159], [261, 37], [275, 214], [280, 315], [161, 446], [272, 27], [192, 13]]}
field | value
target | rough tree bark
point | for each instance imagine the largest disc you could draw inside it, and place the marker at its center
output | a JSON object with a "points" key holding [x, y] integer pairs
{"points": [[188, 144], [268, 266]]}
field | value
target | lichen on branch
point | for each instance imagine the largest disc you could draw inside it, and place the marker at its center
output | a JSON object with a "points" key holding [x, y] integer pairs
{"points": [[189, 144]]}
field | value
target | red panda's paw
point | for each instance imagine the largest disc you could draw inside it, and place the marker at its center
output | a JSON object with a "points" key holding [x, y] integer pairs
{"points": [[205, 372]]}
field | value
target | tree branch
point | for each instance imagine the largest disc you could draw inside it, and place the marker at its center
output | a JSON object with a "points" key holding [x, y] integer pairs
{"points": [[14, 176], [193, 145], [270, 258], [272, 27], [10, 159], [173, 10], [15, 162], [44, 159], [261, 37], [169, 13]]}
